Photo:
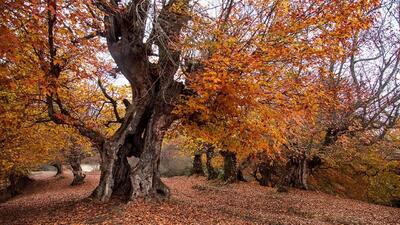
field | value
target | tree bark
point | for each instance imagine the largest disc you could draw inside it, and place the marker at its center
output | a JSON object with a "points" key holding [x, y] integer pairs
{"points": [[244, 165], [211, 173], [197, 168], [79, 176], [230, 167], [145, 176]]}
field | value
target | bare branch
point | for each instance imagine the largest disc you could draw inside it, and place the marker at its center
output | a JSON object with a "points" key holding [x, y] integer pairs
{"points": [[111, 101]]}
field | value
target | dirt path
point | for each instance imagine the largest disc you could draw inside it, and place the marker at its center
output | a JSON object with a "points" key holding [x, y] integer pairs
{"points": [[194, 201]]}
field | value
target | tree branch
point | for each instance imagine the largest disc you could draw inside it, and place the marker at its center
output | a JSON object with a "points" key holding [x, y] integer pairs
{"points": [[111, 101], [88, 36]]}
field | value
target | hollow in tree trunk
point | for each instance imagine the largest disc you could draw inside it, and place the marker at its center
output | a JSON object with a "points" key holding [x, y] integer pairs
{"points": [[230, 167], [197, 168], [129, 163]]}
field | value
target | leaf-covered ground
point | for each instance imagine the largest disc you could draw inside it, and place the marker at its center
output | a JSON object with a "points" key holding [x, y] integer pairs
{"points": [[51, 200]]}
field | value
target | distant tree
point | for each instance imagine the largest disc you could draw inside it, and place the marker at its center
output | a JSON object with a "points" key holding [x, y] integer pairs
{"points": [[75, 155]]}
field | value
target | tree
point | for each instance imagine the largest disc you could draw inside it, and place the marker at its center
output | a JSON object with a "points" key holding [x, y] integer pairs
{"points": [[258, 75], [363, 93], [36, 52], [255, 79], [365, 81], [59, 167], [148, 114]]}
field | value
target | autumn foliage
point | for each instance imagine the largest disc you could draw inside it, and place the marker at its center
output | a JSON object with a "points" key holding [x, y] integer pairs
{"points": [[288, 88]]}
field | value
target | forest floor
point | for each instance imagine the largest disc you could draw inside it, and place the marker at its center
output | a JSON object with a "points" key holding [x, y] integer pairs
{"points": [[51, 200]]}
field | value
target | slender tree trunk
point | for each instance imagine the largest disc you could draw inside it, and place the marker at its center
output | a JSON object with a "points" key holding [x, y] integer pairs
{"points": [[230, 167], [211, 173], [197, 168]]}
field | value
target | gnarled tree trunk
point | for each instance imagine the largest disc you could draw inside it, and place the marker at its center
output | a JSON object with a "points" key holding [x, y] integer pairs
{"points": [[211, 173], [130, 158], [129, 164], [197, 168], [297, 171], [230, 167]]}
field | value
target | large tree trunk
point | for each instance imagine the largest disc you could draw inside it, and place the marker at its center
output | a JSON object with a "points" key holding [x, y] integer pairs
{"points": [[297, 171], [197, 168], [240, 176], [129, 165], [130, 158], [145, 176], [211, 173], [230, 167], [79, 176]]}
